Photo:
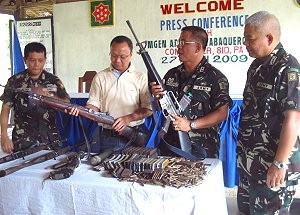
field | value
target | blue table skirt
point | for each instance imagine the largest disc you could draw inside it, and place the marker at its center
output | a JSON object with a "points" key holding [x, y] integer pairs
{"points": [[70, 127], [228, 136], [72, 131]]}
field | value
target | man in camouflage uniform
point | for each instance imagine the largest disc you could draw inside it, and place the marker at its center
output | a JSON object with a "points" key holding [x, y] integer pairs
{"points": [[34, 124], [207, 88], [268, 142]]}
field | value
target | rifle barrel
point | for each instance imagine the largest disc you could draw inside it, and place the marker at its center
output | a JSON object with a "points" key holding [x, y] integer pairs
{"points": [[27, 163], [23, 153], [36, 160], [129, 25]]}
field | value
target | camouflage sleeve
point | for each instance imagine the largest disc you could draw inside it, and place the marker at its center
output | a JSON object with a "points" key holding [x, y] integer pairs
{"points": [[61, 90], [8, 95], [289, 90], [220, 92]]}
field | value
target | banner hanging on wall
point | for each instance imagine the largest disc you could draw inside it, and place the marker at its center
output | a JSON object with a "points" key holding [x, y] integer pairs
{"points": [[102, 13], [38, 30], [158, 24]]}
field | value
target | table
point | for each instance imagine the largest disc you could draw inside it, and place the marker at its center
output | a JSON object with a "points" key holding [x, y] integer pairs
{"points": [[91, 192]]}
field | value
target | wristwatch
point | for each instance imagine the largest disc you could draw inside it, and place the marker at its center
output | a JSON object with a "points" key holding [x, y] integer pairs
{"points": [[193, 125], [280, 165]]}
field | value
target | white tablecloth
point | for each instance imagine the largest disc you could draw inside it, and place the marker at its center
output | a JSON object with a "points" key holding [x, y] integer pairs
{"points": [[79, 95], [90, 192]]}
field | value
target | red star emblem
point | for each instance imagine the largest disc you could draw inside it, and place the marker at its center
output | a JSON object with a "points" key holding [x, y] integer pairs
{"points": [[101, 13]]}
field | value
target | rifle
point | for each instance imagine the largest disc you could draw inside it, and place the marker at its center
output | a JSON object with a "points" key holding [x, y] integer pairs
{"points": [[23, 153], [168, 101], [36, 160], [137, 135]]}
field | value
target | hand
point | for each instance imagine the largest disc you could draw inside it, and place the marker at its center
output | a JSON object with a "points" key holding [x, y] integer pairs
{"points": [[7, 144], [275, 176], [73, 111], [121, 123], [181, 123], [156, 90]]}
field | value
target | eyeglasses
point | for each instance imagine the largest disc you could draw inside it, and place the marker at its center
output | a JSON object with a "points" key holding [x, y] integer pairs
{"points": [[123, 57], [182, 42]]}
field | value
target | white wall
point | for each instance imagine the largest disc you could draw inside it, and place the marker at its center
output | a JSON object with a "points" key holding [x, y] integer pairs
{"points": [[5, 65], [79, 47]]}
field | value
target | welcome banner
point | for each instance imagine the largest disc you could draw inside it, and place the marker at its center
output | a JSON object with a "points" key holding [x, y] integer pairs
{"points": [[159, 23]]}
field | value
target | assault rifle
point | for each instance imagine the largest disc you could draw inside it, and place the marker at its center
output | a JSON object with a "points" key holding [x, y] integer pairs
{"points": [[138, 135], [36, 160], [168, 101]]}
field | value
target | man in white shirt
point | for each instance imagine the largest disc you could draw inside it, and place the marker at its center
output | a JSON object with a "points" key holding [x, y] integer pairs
{"points": [[122, 92]]}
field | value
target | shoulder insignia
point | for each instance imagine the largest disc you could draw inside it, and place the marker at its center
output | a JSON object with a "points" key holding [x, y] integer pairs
{"points": [[292, 76], [222, 85]]}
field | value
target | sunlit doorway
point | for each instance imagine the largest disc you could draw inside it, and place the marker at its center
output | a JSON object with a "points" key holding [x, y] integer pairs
{"points": [[5, 52], [5, 47]]}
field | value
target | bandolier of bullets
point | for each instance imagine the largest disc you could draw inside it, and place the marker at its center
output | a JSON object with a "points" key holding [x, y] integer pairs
{"points": [[142, 165]]}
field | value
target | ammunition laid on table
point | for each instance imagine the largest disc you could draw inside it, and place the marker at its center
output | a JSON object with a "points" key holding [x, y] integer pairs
{"points": [[142, 165]]}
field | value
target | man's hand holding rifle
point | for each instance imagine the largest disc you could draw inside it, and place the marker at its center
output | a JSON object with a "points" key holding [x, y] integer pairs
{"points": [[179, 123]]}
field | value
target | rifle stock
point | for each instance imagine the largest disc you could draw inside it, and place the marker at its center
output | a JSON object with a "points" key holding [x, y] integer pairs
{"points": [[168, 101], [138, 136]]}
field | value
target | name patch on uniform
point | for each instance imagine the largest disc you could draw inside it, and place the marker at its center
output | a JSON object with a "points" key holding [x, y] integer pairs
{"points": [[264, 85], [51, 87], [208, 89]]}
